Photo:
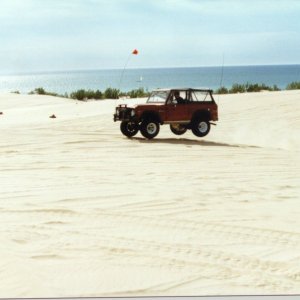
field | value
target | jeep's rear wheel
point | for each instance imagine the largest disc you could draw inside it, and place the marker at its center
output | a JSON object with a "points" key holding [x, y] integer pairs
{"points": [[149, 129], [200, 127], [178, 129], [129, 128]]}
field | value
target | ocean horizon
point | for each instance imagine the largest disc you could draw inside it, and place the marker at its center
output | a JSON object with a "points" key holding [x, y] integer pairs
{"points": [[211, 77]]}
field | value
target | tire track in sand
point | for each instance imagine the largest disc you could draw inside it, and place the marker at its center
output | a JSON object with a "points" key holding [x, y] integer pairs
{"points": [[228, 232]]}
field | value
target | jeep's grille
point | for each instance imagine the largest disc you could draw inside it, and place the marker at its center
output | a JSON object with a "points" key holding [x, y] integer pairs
{"points": [[123, 113]]}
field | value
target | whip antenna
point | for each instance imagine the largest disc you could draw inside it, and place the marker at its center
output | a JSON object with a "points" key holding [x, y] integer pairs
{"points": [[134, 52], [222, 72]]}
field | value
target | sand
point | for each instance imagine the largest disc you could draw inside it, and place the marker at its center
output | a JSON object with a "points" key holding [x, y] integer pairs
{"points": [[85, 211]]}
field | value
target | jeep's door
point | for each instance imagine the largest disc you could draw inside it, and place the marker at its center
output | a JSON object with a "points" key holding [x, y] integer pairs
{"points": [[176, 112], [176, 107]]}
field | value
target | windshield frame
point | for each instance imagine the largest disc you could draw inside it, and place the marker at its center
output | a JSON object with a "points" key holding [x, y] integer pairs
{"points": [[158, 96]]}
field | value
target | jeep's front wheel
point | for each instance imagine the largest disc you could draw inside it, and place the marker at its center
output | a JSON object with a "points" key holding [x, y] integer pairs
{"points": [[129, 129], [200, 127], [178, 129], [149, 129]]}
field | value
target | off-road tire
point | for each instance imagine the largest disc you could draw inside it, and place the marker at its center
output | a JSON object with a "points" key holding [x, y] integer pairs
{"points": [[178, 129], [129, 129], [149, 128], [200, 127]]}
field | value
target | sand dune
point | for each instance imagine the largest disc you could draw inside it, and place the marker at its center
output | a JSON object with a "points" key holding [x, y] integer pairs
{"points": [[88, 212]]}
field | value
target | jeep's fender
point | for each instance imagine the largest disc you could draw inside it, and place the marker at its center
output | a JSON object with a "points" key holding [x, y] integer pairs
{"points": [[153, 115]]}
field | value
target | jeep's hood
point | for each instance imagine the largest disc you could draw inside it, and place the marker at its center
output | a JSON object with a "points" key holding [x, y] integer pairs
{"points": [[148, 105]]}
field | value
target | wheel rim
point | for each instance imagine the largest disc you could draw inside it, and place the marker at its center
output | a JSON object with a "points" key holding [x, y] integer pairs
{"points": [[202, 127], [151, 128], [131, 127]]}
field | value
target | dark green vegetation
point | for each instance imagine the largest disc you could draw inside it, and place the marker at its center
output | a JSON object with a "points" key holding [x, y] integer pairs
{"points": [[293, 86], [109, 93], [246, 88], [112, 93], [89, 94], [41, 91]]}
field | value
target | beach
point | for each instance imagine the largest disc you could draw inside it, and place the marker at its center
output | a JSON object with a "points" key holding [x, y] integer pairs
{"points": [[88, 212]]}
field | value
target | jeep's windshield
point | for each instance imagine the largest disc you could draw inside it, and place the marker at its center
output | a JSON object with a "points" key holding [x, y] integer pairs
{"points": [[158, 96]]}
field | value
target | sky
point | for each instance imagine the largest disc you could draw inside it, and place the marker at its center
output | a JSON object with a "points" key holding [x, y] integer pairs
{"points": [[53, 35]]}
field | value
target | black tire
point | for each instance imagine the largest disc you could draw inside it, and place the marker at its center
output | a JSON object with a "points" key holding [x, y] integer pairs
{"points": [[149, 128], [178, 129], [200, 127], [129, 129]]}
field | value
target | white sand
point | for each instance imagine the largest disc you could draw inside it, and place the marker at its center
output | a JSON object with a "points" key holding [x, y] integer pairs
{"points": [[84, 211]]}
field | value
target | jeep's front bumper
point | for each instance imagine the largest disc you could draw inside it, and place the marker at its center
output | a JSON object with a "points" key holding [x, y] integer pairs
{"points": [[124, 113]]}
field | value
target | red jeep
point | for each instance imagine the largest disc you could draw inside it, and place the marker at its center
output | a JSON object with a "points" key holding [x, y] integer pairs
{"points": [[182, 109]]}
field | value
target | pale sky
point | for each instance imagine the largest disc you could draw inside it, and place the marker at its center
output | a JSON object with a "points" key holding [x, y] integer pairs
{"points": [[49, 35]]}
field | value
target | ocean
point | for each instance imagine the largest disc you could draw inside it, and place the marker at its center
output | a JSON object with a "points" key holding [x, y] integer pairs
{"points": [[207, 77]]}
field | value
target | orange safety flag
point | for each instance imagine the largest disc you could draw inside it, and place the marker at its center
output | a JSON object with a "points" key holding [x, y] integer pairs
{"points": [[135, 52]]}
